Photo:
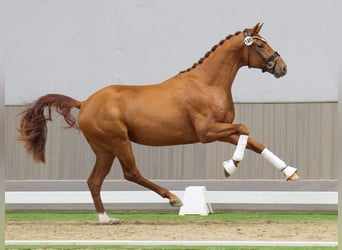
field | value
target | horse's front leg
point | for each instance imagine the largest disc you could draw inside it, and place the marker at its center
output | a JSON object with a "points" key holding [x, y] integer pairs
{"points": [[214, 131], [244, 141]]}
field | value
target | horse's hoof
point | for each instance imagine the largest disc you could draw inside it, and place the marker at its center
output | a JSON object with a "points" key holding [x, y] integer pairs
{"points": [[290, 173], [229, 167], [226, 174], [114, 221], [176, 203], [294, 177], [104, 219], [110, 221]]}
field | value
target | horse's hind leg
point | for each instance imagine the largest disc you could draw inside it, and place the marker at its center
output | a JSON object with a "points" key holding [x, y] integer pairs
{"points": [[131, 173], [230, 165], [101, 169]]}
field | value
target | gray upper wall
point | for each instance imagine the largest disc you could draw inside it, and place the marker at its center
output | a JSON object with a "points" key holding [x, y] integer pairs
{"points": [[76, 47]]}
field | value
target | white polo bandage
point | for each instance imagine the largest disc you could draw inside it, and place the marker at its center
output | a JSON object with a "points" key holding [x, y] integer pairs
{"points": [[229, 167], [240, 148], [273, 159], [288, 171]]}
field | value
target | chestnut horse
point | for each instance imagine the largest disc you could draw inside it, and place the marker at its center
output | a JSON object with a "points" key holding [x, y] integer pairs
{"points": [[195, 105]]}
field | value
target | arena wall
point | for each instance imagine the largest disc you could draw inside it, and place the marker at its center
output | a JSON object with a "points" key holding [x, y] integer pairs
{"points": [[300, 133]]}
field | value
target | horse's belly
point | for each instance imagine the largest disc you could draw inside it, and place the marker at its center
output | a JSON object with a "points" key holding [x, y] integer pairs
{"points": [[162, 136]]}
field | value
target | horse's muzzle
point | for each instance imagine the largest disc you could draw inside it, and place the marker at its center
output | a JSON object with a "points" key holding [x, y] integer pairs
{"points": [[280, 70]]}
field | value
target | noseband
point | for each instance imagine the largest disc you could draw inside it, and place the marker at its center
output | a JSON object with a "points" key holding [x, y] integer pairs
{"points": [[269, 63]]}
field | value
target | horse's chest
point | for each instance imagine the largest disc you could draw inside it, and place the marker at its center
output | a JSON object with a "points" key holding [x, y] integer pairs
{"points": [[223, 112]]}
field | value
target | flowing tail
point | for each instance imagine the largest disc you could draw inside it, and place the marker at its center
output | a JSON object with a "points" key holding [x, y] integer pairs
{"points": [[33, 130]]}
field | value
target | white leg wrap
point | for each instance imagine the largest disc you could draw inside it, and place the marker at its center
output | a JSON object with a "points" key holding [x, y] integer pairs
{"points": [[240, 148], [103, 218], [278, 163], [273, 159], [229, 167]]}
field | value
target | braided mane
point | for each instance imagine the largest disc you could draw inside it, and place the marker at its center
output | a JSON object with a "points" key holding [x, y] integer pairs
{"points": [[209, 52]]}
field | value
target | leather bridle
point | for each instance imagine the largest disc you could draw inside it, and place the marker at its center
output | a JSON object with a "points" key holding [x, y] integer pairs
{"points": [[269, 63]]}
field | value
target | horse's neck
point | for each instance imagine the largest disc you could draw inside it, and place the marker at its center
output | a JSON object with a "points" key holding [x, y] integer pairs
{"points": [[221, 67]]}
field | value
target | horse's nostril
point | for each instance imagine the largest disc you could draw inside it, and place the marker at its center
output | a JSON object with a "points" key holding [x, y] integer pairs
{"points": [[284, 69]]}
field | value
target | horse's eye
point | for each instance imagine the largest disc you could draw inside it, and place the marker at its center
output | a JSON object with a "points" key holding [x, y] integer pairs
{"points": [[261, 46]]}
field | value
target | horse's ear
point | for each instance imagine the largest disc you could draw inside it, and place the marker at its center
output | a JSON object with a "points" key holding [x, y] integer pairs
{"points": [[256, 29]]}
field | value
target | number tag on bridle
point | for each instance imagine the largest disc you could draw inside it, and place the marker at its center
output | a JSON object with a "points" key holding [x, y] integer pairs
{"points": [[248, 40]]}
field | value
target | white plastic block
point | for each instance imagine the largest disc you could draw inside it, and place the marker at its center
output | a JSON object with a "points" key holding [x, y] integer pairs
{"points": [[195, 201]]}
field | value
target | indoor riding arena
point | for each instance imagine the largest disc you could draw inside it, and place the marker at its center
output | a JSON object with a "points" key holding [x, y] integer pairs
{"points": [[220, 132]]}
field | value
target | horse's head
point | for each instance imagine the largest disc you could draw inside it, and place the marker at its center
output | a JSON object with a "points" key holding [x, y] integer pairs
{"points": [[259, 53]]}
